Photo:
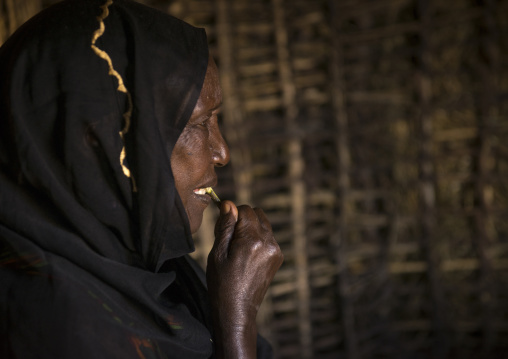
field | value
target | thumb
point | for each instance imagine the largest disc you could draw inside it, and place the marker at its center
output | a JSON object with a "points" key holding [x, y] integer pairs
{"points": [[225, 227]]}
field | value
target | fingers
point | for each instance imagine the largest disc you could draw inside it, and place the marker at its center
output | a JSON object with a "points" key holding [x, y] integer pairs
{"points": [[226, 207], [243, 229], [225, 228], [247, 216], [253, 221], [263, 219]]}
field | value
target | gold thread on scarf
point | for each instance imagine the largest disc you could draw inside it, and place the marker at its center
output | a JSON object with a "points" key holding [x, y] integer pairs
{"points": [[121, 87]]}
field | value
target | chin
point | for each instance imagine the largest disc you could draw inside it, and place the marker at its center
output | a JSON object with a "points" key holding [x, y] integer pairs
{"points": [[195, 222]]}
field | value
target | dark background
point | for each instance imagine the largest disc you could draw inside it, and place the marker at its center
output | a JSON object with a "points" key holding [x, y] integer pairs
{"points": [[375, 136]]}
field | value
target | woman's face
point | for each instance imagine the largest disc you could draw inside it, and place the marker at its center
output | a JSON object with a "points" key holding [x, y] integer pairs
{"points": [[199, 149]]}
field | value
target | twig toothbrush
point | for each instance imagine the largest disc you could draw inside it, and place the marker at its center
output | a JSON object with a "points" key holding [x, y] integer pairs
{"points": [[215, 198]]}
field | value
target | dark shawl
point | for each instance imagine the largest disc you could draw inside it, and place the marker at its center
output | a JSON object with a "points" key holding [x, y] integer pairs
{"points": [[92, 248]]}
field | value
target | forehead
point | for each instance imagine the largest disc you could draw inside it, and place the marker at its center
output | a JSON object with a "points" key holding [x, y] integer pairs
{"points": [[211, 91]]}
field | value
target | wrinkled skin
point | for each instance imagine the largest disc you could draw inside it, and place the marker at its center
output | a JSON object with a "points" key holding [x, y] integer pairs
{"points": [[245, 255]]}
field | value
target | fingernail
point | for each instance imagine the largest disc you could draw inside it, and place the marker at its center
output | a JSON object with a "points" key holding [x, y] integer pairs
{"points": [[225, 208]]}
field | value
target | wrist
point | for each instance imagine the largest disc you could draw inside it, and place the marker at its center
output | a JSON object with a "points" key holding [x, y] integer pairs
{"points": [[234, 337]]}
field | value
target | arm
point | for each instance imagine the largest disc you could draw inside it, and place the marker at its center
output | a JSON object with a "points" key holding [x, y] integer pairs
{"points": [[241, 266]]}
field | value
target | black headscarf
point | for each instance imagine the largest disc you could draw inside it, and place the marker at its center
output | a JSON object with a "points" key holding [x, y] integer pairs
{"points": [[94, 95]]}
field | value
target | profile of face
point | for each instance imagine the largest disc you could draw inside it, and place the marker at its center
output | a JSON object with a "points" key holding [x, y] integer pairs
{"points": [[199, 149]]}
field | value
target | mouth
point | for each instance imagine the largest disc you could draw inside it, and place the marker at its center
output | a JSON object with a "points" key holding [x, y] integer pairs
{"points": [[209, 193], [201, 196], [201, 191]]}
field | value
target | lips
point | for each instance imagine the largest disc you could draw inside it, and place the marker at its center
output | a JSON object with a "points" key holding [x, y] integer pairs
{"points": [[202, 189]]}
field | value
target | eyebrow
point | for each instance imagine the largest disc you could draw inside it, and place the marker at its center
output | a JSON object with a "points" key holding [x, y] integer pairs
{"points": [[202, 113]]}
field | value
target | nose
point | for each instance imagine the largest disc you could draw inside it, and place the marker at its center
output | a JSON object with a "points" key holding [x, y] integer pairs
{"points": [[219, 147]]}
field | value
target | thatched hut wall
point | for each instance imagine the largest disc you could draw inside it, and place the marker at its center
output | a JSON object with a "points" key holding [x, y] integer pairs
{"points": [[374, 134]]}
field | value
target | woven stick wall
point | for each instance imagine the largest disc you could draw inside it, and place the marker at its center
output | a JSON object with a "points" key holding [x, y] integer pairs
{"points": [[374, 134]]}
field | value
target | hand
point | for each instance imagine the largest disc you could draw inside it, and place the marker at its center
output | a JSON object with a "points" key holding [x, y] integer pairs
{"points": [[241, 266]]}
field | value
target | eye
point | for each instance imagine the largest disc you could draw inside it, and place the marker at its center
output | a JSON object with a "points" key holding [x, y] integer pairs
{"points": [[204, 121]]}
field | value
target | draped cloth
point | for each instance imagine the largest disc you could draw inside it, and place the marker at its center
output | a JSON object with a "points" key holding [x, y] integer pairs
{"points": [[93, 235]]}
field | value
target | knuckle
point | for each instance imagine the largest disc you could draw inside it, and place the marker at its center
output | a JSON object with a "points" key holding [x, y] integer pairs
{"points": [[256, 245], [276, 252]]}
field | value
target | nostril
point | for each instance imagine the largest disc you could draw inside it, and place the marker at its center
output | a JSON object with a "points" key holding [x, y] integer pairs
{"points": [[221, 153], [219, 159]]}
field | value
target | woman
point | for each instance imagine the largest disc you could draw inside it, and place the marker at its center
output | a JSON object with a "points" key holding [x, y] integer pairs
{"points": [[108, 131]]}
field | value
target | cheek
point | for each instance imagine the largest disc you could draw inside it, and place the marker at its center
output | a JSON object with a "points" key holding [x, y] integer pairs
{"points": [[192, 150], [191, 142], [189, 161]]}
